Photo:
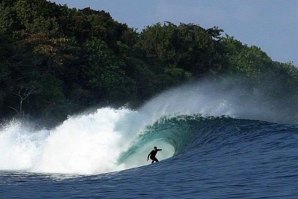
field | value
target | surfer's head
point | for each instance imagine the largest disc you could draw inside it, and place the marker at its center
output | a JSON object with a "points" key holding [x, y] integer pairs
{"points": [[155, 148]]}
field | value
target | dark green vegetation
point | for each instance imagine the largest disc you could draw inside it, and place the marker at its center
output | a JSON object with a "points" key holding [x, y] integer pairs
{"points": [[56, 61]]}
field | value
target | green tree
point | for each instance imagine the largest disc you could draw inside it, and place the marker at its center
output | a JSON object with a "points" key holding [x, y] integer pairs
{"points": [[241, 59], [104, 74]]}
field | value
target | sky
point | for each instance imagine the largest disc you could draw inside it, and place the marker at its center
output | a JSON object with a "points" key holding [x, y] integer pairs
{"points": [[271, 25]]}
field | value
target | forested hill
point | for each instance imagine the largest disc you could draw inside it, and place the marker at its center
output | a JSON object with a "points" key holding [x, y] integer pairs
{"points": [[56, 61]]}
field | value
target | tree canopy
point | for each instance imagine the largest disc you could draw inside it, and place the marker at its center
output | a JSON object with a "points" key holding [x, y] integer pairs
{"points": [[57, 61]]}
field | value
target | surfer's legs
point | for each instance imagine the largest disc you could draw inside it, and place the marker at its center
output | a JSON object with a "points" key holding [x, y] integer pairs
{"points": [[153, 159]]}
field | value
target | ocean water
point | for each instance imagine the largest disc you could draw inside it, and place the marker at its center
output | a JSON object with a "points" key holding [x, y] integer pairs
{"points": [[213, 147]]}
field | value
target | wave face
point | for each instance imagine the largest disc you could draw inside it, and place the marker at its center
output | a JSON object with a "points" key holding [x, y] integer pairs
{"points": [[182, 119]]}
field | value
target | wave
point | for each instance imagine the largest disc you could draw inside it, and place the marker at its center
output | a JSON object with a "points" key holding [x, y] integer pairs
{"points": [[181, 133], [115, 139]]}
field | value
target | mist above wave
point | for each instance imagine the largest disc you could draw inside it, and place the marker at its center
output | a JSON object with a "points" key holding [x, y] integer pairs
{"points": [[230, 96]]}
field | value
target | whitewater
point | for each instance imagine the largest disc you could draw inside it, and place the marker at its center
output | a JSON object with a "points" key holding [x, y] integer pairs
{"points": [[218, 139]]}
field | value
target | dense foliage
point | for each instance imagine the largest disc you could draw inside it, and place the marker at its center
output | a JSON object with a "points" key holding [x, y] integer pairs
{"points": [[56, 61]]}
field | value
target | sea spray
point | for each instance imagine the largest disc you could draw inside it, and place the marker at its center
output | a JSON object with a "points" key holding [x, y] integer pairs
{"points": [[19, 146], [237, 99]]}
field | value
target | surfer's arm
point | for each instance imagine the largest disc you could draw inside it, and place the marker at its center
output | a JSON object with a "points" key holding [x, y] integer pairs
{"points": [[159, 149], [148, 156]]}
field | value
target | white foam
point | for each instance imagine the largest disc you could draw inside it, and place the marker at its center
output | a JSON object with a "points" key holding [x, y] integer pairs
{"points": [[83, 144]]}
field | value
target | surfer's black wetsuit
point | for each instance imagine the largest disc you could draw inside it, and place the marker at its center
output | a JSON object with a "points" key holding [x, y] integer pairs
{"points": [[152, 155]]}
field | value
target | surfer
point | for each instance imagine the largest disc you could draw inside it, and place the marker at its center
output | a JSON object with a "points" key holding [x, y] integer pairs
{"points": [[152, 155]]}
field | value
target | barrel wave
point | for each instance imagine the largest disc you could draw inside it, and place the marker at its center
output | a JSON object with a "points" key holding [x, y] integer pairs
{"points": [[108, 139], [218, 141]]}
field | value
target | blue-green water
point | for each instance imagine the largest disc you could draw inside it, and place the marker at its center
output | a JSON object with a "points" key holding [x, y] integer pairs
{"points": [[214, 158]]}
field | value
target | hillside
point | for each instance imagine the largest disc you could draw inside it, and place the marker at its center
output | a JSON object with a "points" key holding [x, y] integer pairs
{"points": [[57, 61]]}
